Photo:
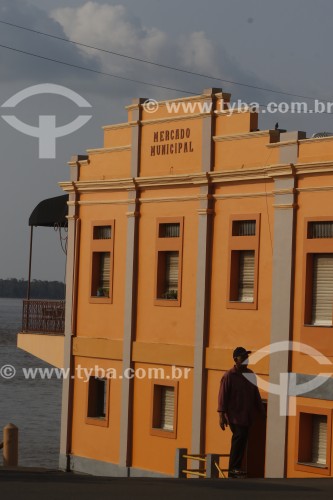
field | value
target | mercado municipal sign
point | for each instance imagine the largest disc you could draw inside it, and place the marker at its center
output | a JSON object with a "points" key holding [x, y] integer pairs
{"points": [[170, 142]]}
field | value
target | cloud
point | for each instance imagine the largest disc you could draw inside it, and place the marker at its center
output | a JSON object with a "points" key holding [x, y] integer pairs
{"points": [[16, 66], [111, 27], [114, 28]]}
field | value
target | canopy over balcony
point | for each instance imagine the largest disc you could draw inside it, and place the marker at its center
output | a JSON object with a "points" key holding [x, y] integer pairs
{"points": [[50, 212], [43, 321]]}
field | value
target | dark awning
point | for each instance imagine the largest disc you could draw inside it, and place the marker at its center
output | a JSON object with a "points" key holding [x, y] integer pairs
{"points": [[49, 212]]}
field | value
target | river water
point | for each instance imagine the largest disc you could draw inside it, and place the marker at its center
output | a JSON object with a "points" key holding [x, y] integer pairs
{"points": [[32, 405]]}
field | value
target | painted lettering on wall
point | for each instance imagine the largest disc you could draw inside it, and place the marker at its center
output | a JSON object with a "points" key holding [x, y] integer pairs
{"points": [[170, 142]]}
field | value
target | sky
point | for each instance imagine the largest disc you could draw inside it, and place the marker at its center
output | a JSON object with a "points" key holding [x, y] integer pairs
{"points": [[283, 46]]}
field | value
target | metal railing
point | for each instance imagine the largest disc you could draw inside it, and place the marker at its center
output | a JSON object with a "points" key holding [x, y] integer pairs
{"points": [[43, 316]]}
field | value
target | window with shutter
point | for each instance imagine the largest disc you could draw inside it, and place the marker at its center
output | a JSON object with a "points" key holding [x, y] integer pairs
{"points": [[102, 244], [322, 229], [244, 228], [169, 230], [98, 401], [322, 289], [102, 232], [104, 272], [169, 261], [319, 439], [171, 272], [243, 262], [167, 408], [314, 431], [164, 409], [246, 276]]}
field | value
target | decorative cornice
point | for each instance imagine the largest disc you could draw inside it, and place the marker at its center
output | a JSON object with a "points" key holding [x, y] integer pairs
{"points": [[285, 206], [194, 180], [280, 170], [242, 195], [114, 149], [277, 192], [200, 97], [79, 162], [68, 187], [224, 176], [175, 118], [105, 185], [103, 202], [168, 199], [172, 180], [246, 135], [205, 211], [132, 214], [116, 126], [316, 139], [231, 111], [282, 143], [314, 167], [314, 189]]}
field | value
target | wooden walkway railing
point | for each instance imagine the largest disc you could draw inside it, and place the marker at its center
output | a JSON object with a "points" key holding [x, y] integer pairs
{"points": [[208, 465], [43, 316]]}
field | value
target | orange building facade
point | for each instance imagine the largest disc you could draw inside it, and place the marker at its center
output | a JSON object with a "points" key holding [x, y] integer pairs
{"points": [[191, 233]]}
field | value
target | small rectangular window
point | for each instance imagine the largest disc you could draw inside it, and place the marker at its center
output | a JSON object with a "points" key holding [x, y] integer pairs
{"points": [[101, 274], [244, 228], [319, 439], [102, 255], [168, 273], [246, 276], [167, 408], [97, 398], [169, 230], [164, 410], [243, 266], [102, 232], [322, 229], [322, 289], [313, 440]]}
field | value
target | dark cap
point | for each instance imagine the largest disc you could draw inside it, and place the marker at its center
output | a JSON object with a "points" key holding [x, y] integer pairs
{"points": [[240, 351]]}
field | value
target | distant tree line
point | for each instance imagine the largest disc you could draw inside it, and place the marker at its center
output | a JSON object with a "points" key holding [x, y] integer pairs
{"points": [[17, 289]]}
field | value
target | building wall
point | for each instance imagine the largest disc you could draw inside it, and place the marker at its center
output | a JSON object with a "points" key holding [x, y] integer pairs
{"points": [[224, 168]]}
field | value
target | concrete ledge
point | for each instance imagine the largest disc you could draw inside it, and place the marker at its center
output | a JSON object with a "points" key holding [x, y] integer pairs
{"points": [[63, 463], [134, 472], [96, 467], [99, 468], [49, 348]]}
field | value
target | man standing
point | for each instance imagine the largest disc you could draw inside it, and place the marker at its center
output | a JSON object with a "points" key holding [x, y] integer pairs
{"points": [[238, 401]]}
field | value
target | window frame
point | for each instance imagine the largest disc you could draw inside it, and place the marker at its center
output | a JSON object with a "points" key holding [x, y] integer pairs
{"points": [[171, 244], [238, 244], [155, 409], [101, 246], [305, 440], [318, 336], [101, 422]]}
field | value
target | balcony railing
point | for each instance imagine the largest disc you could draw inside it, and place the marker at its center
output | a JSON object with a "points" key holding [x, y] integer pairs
{"points": [[43, 316]]}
